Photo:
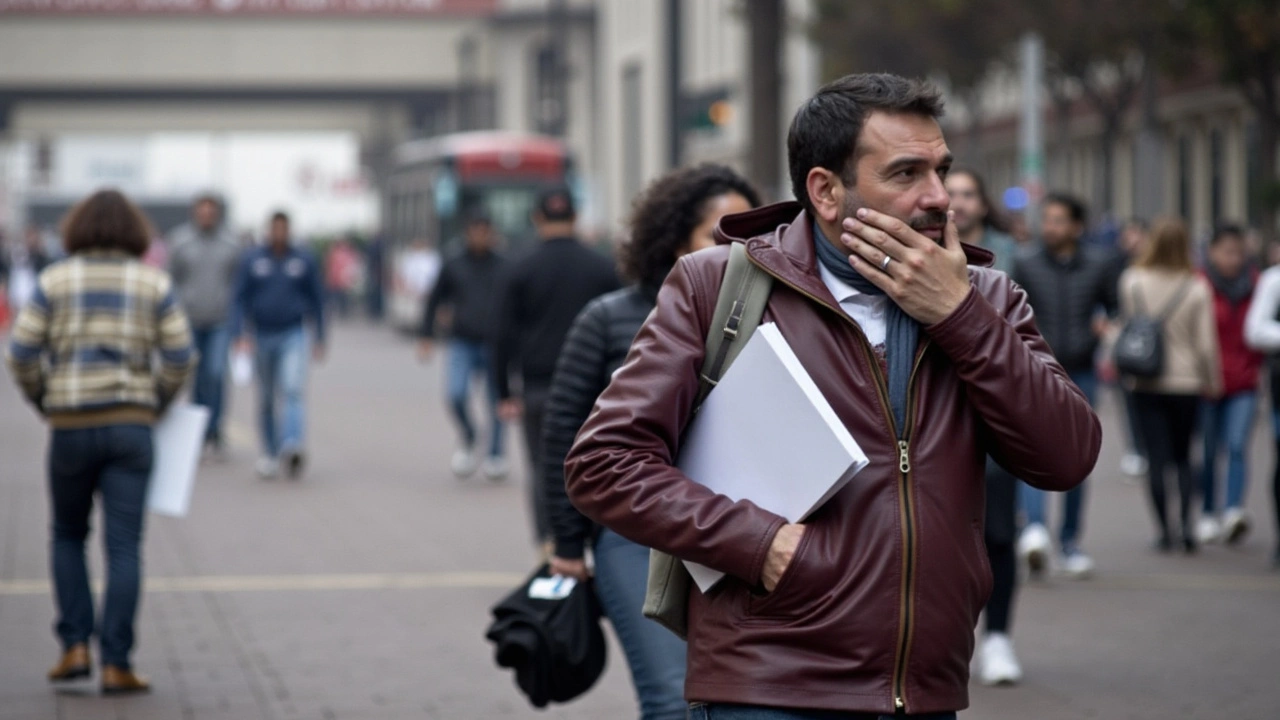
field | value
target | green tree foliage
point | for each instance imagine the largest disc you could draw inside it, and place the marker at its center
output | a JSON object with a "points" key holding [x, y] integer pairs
{"points": [[956, 38]]}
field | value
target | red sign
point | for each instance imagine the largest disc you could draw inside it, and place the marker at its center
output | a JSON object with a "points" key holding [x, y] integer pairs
{"points": [[248, 7]]}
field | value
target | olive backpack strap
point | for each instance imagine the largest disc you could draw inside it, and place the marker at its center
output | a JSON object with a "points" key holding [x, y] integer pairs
{"points": [[744, 293]]}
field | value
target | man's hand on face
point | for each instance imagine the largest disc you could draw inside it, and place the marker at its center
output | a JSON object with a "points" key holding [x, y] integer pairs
{"points": [[927, 280], [780, 554]]}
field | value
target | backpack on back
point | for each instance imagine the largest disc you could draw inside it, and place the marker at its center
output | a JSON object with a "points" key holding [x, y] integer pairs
{"points": [[1139, 350]]}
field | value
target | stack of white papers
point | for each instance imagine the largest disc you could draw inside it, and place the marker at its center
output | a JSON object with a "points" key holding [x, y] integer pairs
{"points": [[766, 434]]}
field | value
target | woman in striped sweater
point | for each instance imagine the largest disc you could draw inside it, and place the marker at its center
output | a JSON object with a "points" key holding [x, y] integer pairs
{"points": [[83, 352]]}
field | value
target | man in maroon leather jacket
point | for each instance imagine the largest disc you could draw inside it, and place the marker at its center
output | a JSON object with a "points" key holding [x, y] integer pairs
{"points": [[870, 606]]}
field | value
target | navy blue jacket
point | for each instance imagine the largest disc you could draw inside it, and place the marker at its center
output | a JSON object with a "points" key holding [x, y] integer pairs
{"points": [[275, 293]]}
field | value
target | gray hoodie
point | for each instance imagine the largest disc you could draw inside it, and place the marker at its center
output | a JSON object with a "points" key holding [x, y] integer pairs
{"points": [[203, 266]]}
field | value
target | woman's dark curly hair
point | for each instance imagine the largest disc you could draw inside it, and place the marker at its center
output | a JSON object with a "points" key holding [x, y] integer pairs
{"points": [[666, 213]]}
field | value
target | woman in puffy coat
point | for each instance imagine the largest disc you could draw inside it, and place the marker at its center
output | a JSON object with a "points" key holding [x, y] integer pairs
{"points": [[674, 216]]}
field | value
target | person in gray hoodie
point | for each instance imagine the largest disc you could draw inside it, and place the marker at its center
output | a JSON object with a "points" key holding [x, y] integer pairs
{"points": [[203, 260]]}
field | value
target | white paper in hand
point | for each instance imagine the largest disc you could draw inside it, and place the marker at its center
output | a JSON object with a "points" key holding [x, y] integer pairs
{"points": [[241, 369], [766, 434], [178, 439]]}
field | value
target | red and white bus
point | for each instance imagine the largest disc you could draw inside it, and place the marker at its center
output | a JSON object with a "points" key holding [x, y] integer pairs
{"points": [[436, 184]]}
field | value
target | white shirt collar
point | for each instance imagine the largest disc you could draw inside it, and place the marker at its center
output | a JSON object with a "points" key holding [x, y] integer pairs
{"points": [[840, 290]]}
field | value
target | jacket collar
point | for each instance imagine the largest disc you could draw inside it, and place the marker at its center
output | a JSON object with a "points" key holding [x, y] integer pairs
{"points": [[779, 238]]}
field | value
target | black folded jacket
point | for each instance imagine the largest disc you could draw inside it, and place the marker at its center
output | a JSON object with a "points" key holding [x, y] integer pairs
{"points": [[556, 646]]}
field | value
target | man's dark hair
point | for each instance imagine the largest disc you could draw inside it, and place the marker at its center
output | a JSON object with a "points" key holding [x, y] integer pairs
{"points": [[825, 130], [280, 216], [106, 220], [1075, 208], [207, 197], [556, 205], [479, 217], [666, 213], [995, 219], [1224, 231]]}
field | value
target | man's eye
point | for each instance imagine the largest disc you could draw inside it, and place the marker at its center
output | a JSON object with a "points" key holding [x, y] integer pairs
{"points": [[907, 174]]}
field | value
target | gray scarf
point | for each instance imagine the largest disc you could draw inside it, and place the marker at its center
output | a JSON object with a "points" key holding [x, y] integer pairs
{"points": [[900, 338]]}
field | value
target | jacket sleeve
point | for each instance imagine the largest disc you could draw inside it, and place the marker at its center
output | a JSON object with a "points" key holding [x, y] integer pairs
{"points": [[1109, 293], [1041, 427], [1261, 329], [177, 352], [1205, 334], [316, 295], [579, 379], [240, 296], [621, 471], [442, 292], [28, 345], [505, 333]]}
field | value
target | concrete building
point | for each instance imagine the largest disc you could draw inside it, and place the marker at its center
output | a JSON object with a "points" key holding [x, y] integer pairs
{"points": [[596, 72], [1206, 171]]}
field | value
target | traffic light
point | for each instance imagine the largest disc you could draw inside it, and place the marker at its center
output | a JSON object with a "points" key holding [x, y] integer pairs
{"points": [[707, 111]]}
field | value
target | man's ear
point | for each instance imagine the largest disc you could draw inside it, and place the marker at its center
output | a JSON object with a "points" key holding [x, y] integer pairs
{"points": [[826, 194]]}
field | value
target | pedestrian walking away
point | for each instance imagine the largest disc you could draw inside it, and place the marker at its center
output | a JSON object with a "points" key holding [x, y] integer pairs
{"points": [[279, 291], [929, 358], [73, 353], [673, 217], [1068, 285], [203, 260], [1226, 424], [1262, 333], [466, 286], [979, 224], [1132, 241], [538, 299], [1163, 285]]}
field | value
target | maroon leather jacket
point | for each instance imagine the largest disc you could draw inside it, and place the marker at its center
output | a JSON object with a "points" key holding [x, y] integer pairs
{"points": [[878, 607]]}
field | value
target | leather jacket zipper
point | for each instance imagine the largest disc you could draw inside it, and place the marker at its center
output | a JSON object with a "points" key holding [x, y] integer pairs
{"points": [[909, 543], [906, 505]]}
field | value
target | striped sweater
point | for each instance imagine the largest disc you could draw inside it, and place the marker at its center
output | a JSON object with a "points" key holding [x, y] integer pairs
{"points": [[84, 349]]}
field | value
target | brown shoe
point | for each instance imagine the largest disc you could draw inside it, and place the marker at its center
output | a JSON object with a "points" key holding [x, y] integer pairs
{"points": [[118, 681], [73, 665]]}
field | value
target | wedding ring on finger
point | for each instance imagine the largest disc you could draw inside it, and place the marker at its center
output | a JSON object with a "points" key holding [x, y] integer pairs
{"points": [[884, 264]]}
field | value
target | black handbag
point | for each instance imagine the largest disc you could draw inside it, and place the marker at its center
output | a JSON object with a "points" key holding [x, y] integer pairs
{"points": [[1139, 351]]}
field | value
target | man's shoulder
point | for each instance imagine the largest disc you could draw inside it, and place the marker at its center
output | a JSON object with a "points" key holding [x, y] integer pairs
{"points": [[1099, 256], [994, 285], [705, 269]]}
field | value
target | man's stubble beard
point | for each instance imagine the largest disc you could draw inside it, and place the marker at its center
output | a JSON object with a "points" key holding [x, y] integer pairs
{"points": [[852, 204]]}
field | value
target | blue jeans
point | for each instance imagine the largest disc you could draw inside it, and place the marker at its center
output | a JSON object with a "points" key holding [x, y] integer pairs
{"points": [[1229, 421], [467, 359], [282, 359], [655, 655], [699, 711], [114, 460], [1033, 499], [209, 388]]}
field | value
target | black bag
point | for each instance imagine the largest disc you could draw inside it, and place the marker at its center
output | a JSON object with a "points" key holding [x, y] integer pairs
{"points": [[549, 632], [1139, 350]]}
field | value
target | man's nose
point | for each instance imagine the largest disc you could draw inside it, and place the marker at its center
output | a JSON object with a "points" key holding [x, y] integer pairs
{"points": [[935, 196]]}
